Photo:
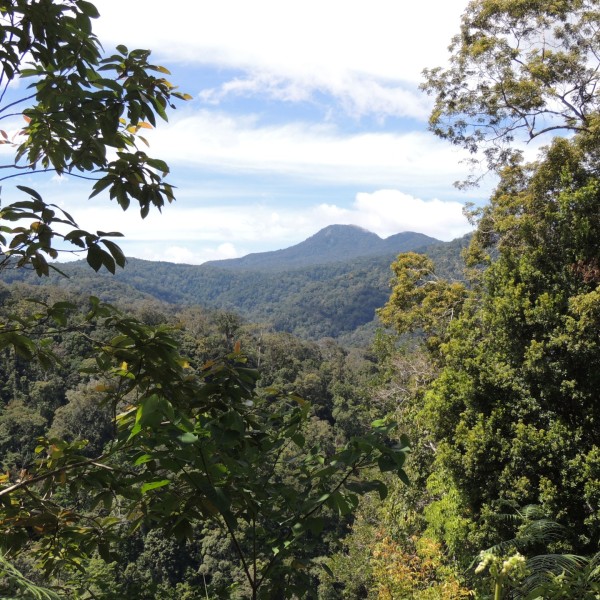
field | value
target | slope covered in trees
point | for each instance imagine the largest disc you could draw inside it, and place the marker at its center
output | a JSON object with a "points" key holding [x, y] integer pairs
{"points": [[322, 300], [70, 404]]}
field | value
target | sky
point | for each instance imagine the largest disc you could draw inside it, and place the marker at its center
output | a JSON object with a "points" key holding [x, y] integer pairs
{"points": [[303, 114]]}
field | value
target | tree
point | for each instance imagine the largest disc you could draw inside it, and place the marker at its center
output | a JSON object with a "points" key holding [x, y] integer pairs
{"points": [[514, 410], [512, 413], [518, 70], [81, 106], [420, 301]]}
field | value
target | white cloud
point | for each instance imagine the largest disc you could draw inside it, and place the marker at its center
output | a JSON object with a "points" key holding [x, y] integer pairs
{"points": [[278, 88], [390, 211], [384, 38], [369, 56], [195, 235], [319, 152], [356, 94], [346, 55], [386, 212], [181, 254]]}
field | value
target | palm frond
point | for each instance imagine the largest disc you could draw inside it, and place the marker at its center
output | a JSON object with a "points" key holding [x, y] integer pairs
{"points": [[26, 588]]}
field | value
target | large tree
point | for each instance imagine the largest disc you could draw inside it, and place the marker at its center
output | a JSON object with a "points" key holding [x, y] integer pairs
{"points": [[514, 410], [512, 414], [519, 69]]}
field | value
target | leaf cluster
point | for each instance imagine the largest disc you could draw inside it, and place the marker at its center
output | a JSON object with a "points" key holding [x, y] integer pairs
{"points": [[518, 70], [83, 116]]}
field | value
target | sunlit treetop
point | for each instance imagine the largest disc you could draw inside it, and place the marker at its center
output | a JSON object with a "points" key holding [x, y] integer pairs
{"points": [[519, 69]]}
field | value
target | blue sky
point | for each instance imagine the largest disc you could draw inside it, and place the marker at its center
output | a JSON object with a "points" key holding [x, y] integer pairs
{"points": [[304, 114]]}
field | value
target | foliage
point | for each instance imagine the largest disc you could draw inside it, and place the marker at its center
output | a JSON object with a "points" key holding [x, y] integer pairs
{"points": [[14, 582], [521, 367], [502, 397], [511, 414], [83, 110], [419, 572], [561, 576], [505, 572], [190, 448], [81, 106], [518, 70], [540, 575], [419, 301], [313, 302]]}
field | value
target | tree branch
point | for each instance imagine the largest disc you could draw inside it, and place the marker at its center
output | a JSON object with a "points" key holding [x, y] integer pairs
{"points": [[27, 482], [32, 171], [19, 101]]}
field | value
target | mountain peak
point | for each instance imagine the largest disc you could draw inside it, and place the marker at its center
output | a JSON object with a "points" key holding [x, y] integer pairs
{"points": [[334, 243], [342, 234], [342, 229]]}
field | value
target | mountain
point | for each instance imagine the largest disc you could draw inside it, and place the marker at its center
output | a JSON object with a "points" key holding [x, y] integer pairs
{"points": [[301, 290], [332, 244]]}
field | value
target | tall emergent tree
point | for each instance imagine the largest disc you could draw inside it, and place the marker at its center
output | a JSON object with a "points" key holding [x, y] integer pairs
{"points": [[514, 413], [514, 410], [192, 442], [518, 70]]}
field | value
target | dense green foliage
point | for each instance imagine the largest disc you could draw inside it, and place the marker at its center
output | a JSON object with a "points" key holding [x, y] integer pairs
{"points": [[514, 407], [293, 443], [499, 392]]}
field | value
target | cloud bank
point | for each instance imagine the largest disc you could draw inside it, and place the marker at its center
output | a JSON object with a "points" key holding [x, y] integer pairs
{"points": [[197, 234], [368, 56]]}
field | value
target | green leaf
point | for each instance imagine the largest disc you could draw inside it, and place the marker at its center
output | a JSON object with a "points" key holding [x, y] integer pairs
{"points": [[29, 191], [95, 257], [327, 570], [101, 185], [144, 458], [153, 485], [116, 252], [299, 440], [88, 9], [403, 477], [386, 463], [233, 421]]}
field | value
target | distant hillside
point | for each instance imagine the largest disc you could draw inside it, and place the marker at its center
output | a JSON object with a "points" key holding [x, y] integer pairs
{"points": [[332, 244], [334, 299]]}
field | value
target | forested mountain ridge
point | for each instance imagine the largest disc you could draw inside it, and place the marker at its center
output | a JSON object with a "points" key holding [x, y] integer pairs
{"points": [[330, 299], [334, 243]]}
